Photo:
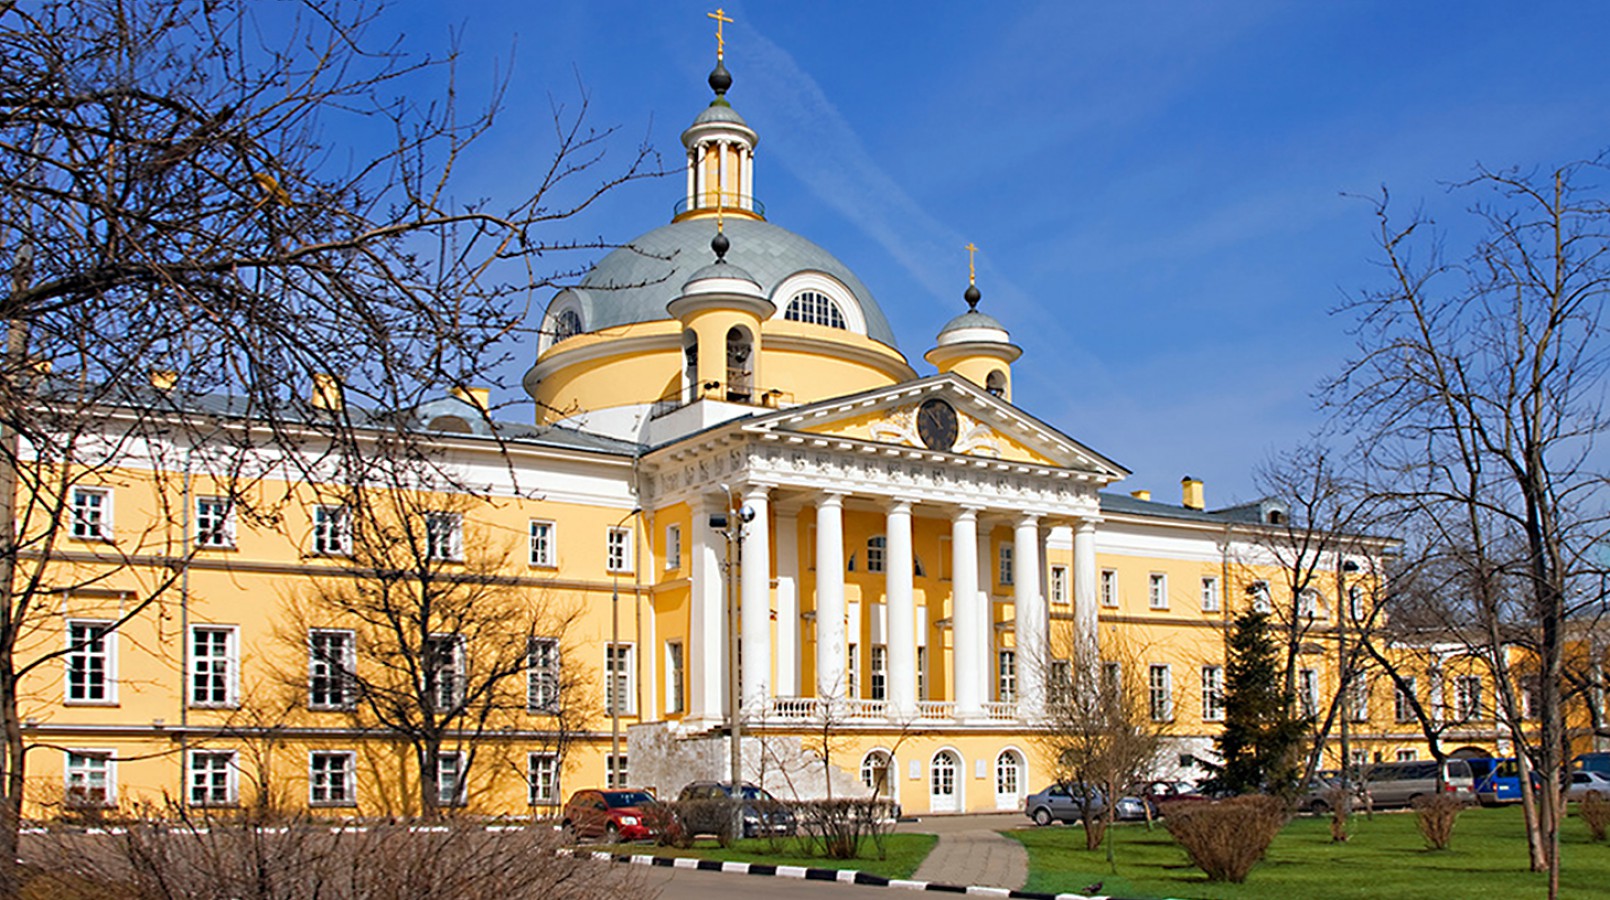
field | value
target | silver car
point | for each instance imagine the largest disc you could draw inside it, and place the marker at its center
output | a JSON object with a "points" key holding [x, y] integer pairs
{"points": [[1066, 802]]}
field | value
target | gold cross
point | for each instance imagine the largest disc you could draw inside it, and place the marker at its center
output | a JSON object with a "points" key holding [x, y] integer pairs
{"points": [[972, 275], [721, 42]]}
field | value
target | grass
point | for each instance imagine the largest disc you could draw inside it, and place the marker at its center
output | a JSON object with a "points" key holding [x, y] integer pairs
{"points": [[903, 854], [1386, 857]]}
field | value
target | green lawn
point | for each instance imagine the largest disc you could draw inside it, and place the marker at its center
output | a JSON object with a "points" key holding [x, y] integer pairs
{"points": [[903, 854], [1386, 857]]}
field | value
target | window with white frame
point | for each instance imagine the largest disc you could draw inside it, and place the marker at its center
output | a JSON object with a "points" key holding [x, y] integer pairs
{"points": [[1006, 569], [331, 778], [814, 308], [332, 531], [619, 550], [1308, 604], [1212, 693], [1210, 593], [1160, 692], [444, 670], [1112, 676], [87, 778], [1467, 698], [852, 670], [875, 547], [330, 669], [1006, 676], [212, 778], [1261, 598], [1109, 587], [1060, 685], [876, 775], [1355, 602], [673, 546], [450, 781], [1358, 697], [922, 673], [1059, 584], [444, 536], [878, 687], [618, 695], [215, 522], [1407, 755], [1402, 700], [542, 543], [91, 514], [542, 779], [674, 677], [615, 773], [1008, 773], [1307, 693], [542, 675], [1531, 699], [90, 662], [1157, 590], [214, 658]]}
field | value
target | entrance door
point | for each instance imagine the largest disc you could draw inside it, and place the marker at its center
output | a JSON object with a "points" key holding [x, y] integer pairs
{"points": [[944, 794], [1009, 780]]}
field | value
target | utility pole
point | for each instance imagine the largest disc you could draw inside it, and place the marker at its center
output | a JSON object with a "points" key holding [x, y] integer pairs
{"points": [[730, 525], [1344, 671]]}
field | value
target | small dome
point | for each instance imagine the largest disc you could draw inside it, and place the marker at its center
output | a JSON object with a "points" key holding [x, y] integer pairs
{"points": [[973, 326], [719, 112], [721, 269]]}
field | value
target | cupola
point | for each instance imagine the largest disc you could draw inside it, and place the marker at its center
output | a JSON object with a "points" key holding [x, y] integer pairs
{"points": [[976, 346], [721, 154], [721, 309]]}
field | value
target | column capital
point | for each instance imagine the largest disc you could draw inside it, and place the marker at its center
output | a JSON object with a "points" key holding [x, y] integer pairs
{"points": [[968, 513], [1028, 520], [830, 498], [754, 489], [1087, 524], [900, 504]]}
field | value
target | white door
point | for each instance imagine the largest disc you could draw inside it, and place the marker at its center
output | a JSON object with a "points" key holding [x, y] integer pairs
{"points": [[944, 790], [1008, 780]]}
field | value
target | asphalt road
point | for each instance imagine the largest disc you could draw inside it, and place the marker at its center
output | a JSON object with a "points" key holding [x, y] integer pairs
{"points": [[691, 884]]}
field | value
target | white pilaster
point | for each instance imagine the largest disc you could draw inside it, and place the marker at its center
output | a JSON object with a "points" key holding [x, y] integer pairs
{"points": [[756, 610], [787, 551], [830, 596], [901, 652], [1028, 612], [967, 618]]}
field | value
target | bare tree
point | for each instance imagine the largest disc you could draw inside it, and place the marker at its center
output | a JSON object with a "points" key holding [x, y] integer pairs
{"points": [[1477, 393]]}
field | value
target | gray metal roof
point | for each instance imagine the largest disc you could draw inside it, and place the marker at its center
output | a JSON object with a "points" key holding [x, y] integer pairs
{"points": [[719, 112], [633, 283], [1245, 514], [971, 319]]}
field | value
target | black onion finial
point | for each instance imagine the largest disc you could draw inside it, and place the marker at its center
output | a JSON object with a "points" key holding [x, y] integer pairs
{"points": [[720, 245], [720, 79], [972, 297]]}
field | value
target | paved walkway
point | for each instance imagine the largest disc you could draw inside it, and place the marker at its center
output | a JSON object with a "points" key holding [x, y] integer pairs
{"points": [[970, 852]]}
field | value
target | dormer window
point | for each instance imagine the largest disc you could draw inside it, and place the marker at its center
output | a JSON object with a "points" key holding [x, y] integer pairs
{"points": [[814, 308], [566, 324]]}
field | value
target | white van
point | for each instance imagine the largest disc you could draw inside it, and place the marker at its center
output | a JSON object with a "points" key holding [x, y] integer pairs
{"points": [[1398, 783]]}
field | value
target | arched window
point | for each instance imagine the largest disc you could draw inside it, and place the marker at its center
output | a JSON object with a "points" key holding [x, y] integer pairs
{"points": [[690, 367], [942, 774], [814, 308], [875, 774], [566, 324], [740, 365], [1008, 772], [995, 383], [874, 553]]}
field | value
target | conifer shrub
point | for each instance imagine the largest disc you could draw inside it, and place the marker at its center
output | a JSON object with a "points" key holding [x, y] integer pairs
{"points": [[1227, 838]]}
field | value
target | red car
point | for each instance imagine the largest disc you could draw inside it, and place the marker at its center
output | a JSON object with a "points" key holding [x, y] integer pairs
{"points": [[614, 816]]}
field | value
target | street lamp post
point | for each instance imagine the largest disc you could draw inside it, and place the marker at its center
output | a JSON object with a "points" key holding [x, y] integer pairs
{"points": [[730, 525], [1344, 612]]}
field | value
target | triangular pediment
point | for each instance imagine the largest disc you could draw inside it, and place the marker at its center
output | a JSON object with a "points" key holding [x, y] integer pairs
{"points": [[985, 426]]}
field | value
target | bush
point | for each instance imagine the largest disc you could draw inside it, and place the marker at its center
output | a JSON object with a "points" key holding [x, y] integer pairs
{"points": [[1436, 815], [1341, 808], [837, 828], [1595, 811], [1225, 839]]}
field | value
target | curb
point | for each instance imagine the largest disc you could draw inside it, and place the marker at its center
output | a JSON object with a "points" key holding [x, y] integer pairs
{"points": [[845, 876]]}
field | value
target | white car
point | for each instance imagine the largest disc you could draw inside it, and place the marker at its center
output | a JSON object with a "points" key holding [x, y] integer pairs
{"points": [[1584, 783]]}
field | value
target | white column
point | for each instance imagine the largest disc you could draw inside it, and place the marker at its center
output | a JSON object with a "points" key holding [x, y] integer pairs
{"points": [[1086, 587], [966, 619], [830, 596], [901, 633], [756, 599], [984, 638], [722, 174], [705, 661], [787, 662], [1028, 613], [693, 180]]}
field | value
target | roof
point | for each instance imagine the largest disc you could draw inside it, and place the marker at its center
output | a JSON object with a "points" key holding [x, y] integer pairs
{"points": [[1244, 514], [719, 112], [634, 282], [972, 319]]}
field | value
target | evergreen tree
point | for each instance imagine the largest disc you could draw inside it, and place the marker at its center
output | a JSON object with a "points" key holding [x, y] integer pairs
{"points": [[1259, 746]]}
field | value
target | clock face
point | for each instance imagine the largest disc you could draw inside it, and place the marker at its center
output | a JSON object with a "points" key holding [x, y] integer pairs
{"points": [[936, 424]]}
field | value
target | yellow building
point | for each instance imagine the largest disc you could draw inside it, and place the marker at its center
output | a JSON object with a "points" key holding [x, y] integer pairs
{"points": [[917, 555]]}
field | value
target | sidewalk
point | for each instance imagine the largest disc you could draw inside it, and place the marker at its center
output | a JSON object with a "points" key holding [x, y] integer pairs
{"points": [[970, 852]]}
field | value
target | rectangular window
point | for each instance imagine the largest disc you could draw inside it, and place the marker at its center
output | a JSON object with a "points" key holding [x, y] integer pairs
{"points": [[674, 677], [1006, 676], [542, 544], [618, 679], [1402, 705], [1157, 590], [1308, 693], [330, 669], [879, 687], [1358, 698], [1467, 698], [215, 522], [213, 660], [332, 531], [450, 782], [543, 780], [87, 777], [615, 773], [1407, 755], [1531, 700], [1006, 574], [619, 550], [90, 662], [92, 514], [1261, 598], [1160, 693], [852, 670], [1112, 676], [1210, 594], [444, 536], [1212, 693], [542, 675], [922, 673], [331, 776], [1060, 688], [874, 553], [1308, 604], [212, 778], [444, 671], [673, 547], [1059, 584], [1355, 602], [1109, 587]]}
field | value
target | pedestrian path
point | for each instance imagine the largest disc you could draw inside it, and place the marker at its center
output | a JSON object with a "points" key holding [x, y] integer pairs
{"points": [[971, 852]]}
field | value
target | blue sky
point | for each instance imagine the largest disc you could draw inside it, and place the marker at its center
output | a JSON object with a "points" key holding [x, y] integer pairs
{"points": [[1158, 190]]}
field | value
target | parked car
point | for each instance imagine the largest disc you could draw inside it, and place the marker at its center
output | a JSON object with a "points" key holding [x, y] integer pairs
{"points": [[1162, 794], [614, 816], [1399, 783], [1583, 782], [704, 807], [1323, 791], [1065, 803]]}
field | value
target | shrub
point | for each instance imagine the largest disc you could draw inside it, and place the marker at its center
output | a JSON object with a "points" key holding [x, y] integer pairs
{"points": [[1435, 815], [837, 828], [1595, 811], [1225, 839], [1341, 808]]}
